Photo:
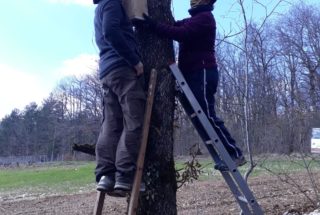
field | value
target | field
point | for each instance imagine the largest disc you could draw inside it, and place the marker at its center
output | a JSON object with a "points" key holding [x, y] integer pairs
{"points": [[68, 188]]}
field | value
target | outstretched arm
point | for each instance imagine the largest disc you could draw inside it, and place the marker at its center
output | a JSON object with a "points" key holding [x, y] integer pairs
{"points": [[184, 30]]}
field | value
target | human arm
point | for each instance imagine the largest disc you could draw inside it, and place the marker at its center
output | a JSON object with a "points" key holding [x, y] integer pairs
{"points": [[183, 30], [178, 23]]}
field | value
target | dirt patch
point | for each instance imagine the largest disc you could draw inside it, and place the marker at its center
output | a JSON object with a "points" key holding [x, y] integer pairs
{"points": [[201, 197]]}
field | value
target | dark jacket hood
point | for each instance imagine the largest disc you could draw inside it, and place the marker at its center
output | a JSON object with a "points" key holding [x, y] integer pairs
{"points": [[200, 8], [96, 1]]}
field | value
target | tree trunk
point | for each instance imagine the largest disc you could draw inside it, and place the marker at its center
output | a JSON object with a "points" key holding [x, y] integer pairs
{"points": [[159, 173], [312, 90]]}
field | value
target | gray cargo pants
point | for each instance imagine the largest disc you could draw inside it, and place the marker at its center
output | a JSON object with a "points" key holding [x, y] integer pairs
{"points": [[123, 113]]}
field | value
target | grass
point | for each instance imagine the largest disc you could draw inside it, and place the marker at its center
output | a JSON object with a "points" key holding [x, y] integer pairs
{"points": [[61, 178], [75, 176], [277, 165]]}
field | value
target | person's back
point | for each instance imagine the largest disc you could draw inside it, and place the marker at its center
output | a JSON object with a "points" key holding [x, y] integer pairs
{"points": [[196, 36], [114, 37], [196, 49], [123, 99]]}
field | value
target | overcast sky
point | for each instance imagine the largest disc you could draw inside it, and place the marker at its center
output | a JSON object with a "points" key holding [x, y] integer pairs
{"points": [[41, 41]]}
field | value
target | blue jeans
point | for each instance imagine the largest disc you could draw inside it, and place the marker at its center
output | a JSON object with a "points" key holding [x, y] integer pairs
{"points": [[204, 85]]}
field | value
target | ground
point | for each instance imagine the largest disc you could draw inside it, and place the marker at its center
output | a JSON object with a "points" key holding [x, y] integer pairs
{"points": [[201, 197]]}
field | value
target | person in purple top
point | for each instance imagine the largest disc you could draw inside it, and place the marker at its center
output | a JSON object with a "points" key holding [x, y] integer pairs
{"points": [[196, 36]]}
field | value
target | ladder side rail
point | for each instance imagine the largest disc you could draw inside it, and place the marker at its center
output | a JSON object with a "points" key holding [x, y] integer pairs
{"points": [[133, 204], [226, 175], [98, 207], [197, 125], [203, 119], [244, 205], [217, 142]]}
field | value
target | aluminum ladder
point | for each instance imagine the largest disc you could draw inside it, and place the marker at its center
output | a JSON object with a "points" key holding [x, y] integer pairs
{"points": [[219, 154]]}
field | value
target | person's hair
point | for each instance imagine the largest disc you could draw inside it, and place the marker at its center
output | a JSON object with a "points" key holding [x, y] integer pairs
{"points": [[195, 3]]}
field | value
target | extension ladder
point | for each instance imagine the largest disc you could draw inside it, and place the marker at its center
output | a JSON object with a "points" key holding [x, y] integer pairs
{"points": [[221, 157]]}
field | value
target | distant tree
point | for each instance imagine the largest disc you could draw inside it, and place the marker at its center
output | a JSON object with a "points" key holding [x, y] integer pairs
{"points": [[30, 125], [12, 134], [80, 99], [299, 34], [51, 127]]}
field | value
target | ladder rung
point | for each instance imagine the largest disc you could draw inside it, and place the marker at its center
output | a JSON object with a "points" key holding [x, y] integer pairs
{"points": [[193, 115], [243, 199], [209, 142]]}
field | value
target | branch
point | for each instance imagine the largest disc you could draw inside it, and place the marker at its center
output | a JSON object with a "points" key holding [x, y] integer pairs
{"points": [[85, 148], [289, 180]]}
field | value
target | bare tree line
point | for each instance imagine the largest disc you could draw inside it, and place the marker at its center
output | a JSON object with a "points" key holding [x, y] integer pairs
{"points": [[269, 95], [71, 115], [269, 82]]}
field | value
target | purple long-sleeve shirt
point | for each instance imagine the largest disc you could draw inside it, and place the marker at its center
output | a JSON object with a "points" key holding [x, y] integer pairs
{"points": [[196, 37]]}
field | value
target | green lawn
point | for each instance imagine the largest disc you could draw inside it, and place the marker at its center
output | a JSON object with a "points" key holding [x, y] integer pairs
{"points": [[277, 165], [61, 177], [75, 176]]}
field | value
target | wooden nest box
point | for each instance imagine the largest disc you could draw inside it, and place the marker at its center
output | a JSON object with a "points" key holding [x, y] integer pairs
{"points": [[135, 8]]}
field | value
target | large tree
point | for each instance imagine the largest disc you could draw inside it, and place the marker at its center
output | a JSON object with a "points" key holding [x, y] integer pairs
{"points": [[159, 174]]}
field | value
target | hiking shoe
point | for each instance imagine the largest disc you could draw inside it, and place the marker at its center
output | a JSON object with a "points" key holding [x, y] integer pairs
{"points": [[106, 184], [240, 161]]}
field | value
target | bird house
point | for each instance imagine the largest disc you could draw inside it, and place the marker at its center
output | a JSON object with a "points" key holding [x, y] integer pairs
{"points": [[135, 8]]}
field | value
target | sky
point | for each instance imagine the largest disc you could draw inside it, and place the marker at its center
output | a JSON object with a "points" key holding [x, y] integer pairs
{"points": [[42, 41]]}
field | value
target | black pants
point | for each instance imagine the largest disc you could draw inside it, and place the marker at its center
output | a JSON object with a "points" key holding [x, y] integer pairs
{"points": [[123, 112], [204, 85]]}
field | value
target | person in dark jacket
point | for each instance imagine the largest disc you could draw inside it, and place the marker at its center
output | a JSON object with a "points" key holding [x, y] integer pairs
{"points": [[196, 36], [123, 98]]}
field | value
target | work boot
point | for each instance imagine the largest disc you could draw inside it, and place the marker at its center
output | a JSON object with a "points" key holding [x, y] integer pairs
{"points": [[239, 161], [106, 184]]}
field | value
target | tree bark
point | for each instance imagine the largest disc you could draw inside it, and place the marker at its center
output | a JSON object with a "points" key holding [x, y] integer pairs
{"points": [[159, 173]]}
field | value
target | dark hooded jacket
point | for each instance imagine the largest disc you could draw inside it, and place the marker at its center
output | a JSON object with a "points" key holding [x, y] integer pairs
{"points": [[114, 37], [196, 37]]}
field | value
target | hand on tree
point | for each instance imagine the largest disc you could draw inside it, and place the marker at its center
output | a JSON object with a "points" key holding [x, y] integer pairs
{"points": [[149, 22], [139, 68]]}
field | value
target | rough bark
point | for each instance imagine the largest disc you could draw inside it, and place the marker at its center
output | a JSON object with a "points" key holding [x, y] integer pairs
{"points": [[159, 174]]}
